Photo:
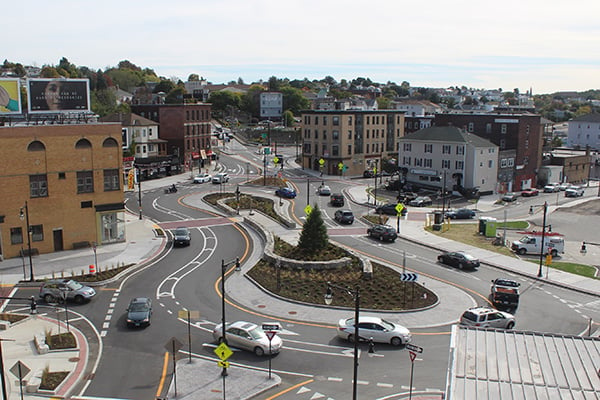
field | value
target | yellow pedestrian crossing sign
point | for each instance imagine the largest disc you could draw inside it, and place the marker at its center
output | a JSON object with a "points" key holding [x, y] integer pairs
{"points": [[223, 364], [340, 166], [223, 352], [399, 207], [308, 209], [276, 160], [321, 162]]}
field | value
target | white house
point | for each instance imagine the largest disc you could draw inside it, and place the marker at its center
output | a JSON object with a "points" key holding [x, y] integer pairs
{"points": [[584, 131]]}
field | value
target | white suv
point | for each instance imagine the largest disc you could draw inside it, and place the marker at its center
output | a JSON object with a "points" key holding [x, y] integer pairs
{"points": [[221, 177], [486, 317]]}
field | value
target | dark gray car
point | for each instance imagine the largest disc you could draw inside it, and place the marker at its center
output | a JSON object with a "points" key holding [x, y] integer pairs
{"points": [[139, 312], [181, 236]]}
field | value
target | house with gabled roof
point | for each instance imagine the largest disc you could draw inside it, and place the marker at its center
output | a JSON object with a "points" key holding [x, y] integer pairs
{"points": [[448, 157]]}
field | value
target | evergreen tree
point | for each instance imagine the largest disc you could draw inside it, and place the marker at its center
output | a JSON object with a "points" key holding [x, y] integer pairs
{"points": [[314, 232]]}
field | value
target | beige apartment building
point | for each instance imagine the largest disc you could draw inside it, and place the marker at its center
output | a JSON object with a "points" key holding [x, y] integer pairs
{"points": [[348, 142], [66, 180]]}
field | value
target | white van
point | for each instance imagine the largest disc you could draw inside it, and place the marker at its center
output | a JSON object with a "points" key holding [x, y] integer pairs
{"points": [[221, 177]]}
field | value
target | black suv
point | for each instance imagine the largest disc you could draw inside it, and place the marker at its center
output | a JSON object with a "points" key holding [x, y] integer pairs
{"points": [[337, 200], [181, 236], [344, 216], [382, 232]]}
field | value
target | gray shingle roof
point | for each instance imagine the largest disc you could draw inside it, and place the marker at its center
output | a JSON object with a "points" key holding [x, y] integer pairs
{"points": [[448, 134], [593, 117]]}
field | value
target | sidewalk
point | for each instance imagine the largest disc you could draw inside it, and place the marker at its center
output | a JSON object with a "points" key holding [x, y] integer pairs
{"points": [[143, 245]]}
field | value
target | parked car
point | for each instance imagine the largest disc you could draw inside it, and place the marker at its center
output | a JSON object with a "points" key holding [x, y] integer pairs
{"points": [[564, 186], [530, 192], [487, 317], [139, 312], [221, 177], [181, 236], [382, 232], [344, 216], [510, 197], [380, 330], [552, 188], [458, 259], [286, 192], [336, 200], [461, 213], [202, 178], [421, 201], [56, 290], [390, 209], [324, 190], [248, 336], [574, 191], [368, 173]]}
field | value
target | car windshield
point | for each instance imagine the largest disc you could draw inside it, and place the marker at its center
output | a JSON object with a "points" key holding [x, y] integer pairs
{"points": [[256, 333], [347, 213], [74, 285], [467, 256], [137, 307], [180, 232], [470, 316], [387, 325]]}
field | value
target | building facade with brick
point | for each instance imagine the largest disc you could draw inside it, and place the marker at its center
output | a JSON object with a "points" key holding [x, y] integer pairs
{"points": [[186, 127], [67, 180], [516, 135], [354, 140]]}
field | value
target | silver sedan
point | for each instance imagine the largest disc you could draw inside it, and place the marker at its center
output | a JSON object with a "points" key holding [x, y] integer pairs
{"points": [[375, 328], [248, 336]]}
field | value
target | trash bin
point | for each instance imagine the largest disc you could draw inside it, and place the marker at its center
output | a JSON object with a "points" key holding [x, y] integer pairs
{"points": [[490, 227], [438, 217], [483, 225]]}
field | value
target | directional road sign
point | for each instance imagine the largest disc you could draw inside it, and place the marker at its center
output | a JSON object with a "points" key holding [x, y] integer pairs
{"points": [[223, 364], [408, 277], [267, 326], [183, 314], [223, 351], [414, 348]]}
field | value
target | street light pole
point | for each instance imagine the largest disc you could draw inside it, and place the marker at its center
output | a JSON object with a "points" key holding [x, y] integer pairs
{"points": [[356, 295], [224, 266], [545, 205], [139, 179], [26, 216]]}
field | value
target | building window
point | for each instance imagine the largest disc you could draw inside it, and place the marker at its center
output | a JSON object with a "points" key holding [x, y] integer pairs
{"points": [[446, 149], [367, 148], [503, 128], [459, 165], [316, 120], [62, 175], [85, 182], [335, 150], [36, 145], [38, 185], [324, 120], [488, 128], [502, 144], [406, 161], [16, 235], [511, 162], [428, 163], [306, 148], [407, 147], [349, 149], [446, 164], [335, 135], [460, 150], [336, 120], [349, 135], [350, 121], [503, 163], [111, 180], [83, 144], [37, 233], [316, 133], [324, 135], [470, 127], [490, 163]]}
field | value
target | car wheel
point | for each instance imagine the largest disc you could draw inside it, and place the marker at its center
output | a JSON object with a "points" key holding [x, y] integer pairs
{"points": [[461, 265], [441, 259], [522, 251], [48, 298], [554, 253], [396, 341], [78, 299], [351, 338], [381, 237], [510, 325], [259, 351]]}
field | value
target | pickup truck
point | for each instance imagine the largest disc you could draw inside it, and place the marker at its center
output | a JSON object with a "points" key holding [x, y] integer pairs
{"points": [[505, 292]]}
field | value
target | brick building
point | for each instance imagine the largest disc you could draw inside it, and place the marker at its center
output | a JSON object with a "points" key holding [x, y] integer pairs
{"points": [[518, 136], [67, 180], [186, 127], [356, 138]]}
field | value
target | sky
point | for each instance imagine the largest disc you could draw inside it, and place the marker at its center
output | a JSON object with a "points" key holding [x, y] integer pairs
{"points": [[543, 45]]}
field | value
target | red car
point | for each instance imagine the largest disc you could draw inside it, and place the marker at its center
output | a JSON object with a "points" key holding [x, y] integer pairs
{"points": [[530, 192]]}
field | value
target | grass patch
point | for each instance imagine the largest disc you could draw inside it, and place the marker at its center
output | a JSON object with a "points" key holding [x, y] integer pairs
{"points": [[247, 202], [384, 291], [51, 380], [60, 341], [579, 269], [512, 225], [12, 318], [469, 234]]}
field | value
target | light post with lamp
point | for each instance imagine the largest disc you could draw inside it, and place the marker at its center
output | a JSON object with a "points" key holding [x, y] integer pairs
{"points": [[356, 295], [24, 214], [224, 266], [545, 205]]}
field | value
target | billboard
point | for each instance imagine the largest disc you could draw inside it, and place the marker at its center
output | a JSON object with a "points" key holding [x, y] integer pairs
{"points": [[58, 95], [10, 97]]}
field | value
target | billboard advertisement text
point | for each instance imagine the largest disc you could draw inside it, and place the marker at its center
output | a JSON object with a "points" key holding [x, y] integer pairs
{"points": [[58, 95]]}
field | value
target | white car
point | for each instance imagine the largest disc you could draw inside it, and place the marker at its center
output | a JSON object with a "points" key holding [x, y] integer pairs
{"points": [[248, 336], [375, 328], [202, 178], [552, 188], [221, 177], [574, 191], [486, 317], [324, 190]]}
